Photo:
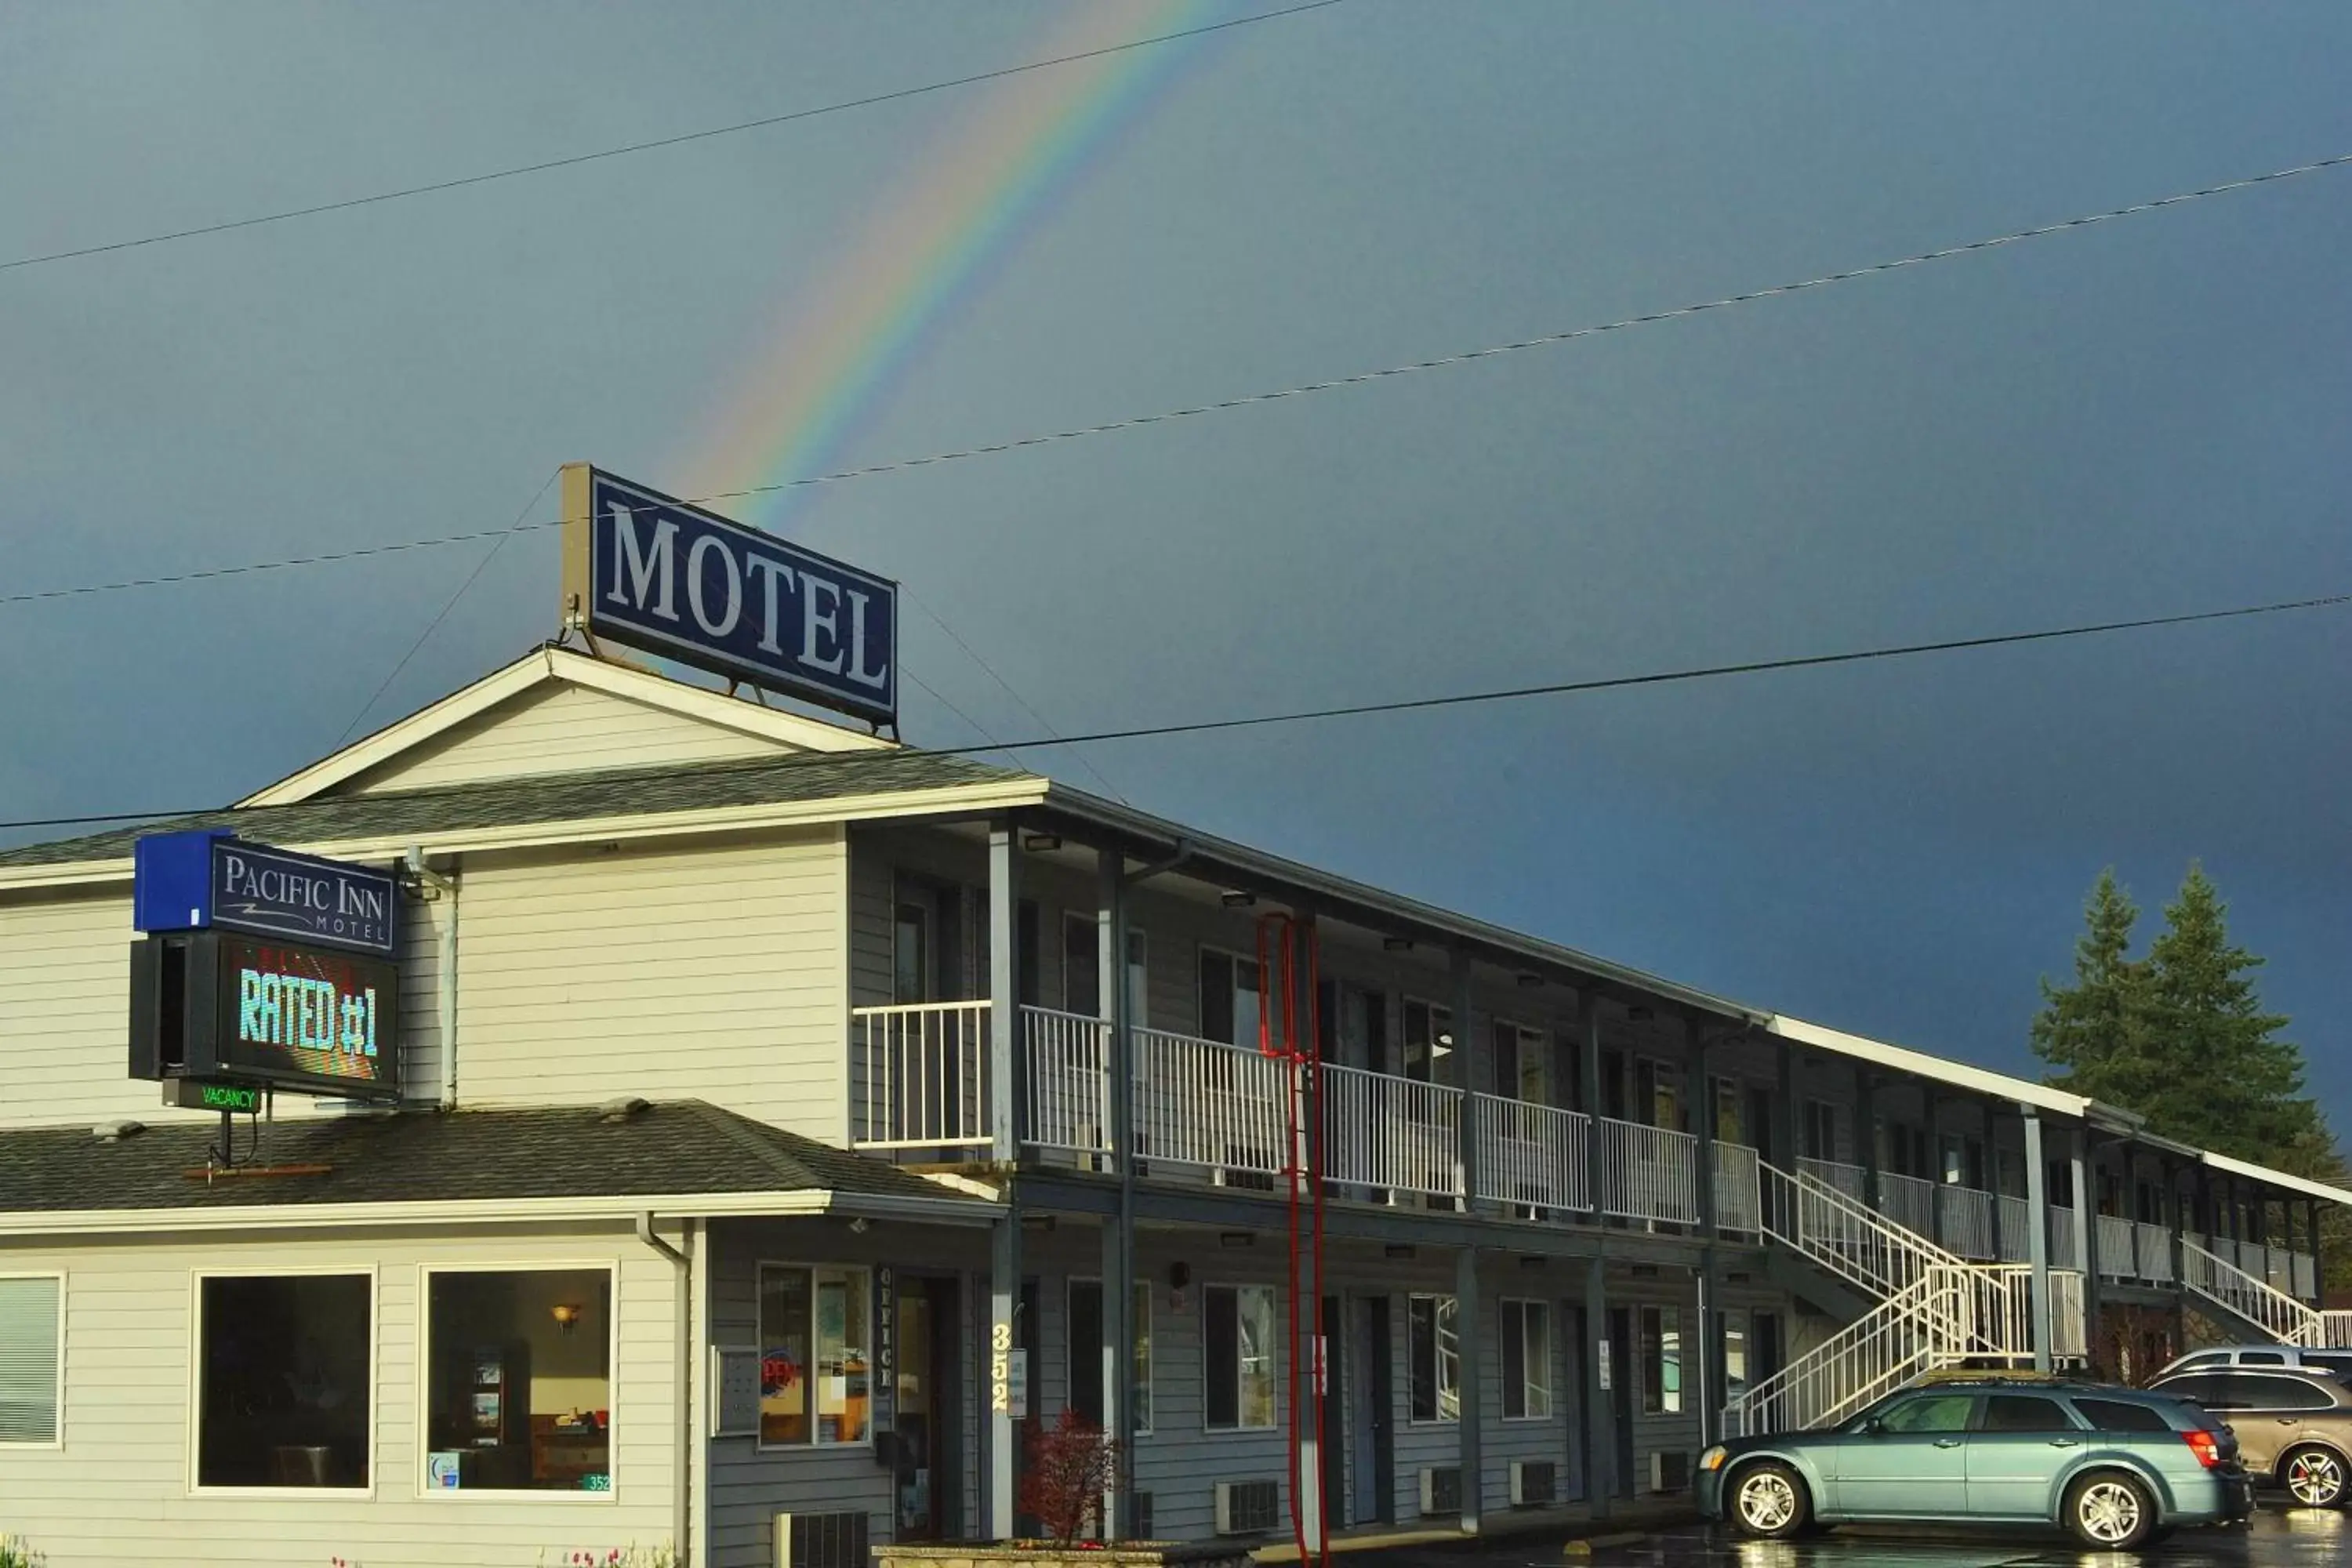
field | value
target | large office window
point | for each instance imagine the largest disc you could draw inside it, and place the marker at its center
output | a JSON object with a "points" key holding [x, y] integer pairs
{"points": [[1433, 1356], [1238, 1323], [814, 1367], [32, 1309], [284, 1395], [1428, 1042], [519, 1373], [1085, 1351], [1662, 1360], [1526, 1361], [1230, 997]]}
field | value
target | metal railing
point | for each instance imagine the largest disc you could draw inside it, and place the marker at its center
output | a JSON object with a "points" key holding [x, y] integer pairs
{"points": [[1392, 1134], [2118, 1241], [2062, 1240], [1965, 1217], [1845, 1235], [1907, 1201], [1203, 1103], [1067, 1056], [2015, 1227], [2274, 1313], [1851, 1180], [2155, 1252], [1648, 1172], [1529, 1156], [2307, 1269], [1738, 1189], [921, 1076], [2335, 1331]]}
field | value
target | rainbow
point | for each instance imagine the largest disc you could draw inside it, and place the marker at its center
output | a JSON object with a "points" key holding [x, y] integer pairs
{"points": [[842, 346]]}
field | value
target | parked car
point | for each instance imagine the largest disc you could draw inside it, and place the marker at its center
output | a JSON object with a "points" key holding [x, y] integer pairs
{"points": [[2115, 1467], [2293, 1425], [2336, 1363]]}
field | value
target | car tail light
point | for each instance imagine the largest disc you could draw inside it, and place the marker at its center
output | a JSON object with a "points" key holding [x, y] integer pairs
{"points": [[2206, 1446]]}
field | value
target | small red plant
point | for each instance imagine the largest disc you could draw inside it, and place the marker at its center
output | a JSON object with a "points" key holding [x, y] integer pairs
{"points": [[1071, 1465]]}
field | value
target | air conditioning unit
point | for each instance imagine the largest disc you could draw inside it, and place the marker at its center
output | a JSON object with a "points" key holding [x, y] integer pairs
{"points": [[821, 1539], [1441, 1489], [1670, 1472], [1247, 1508], [1532, 1482]]}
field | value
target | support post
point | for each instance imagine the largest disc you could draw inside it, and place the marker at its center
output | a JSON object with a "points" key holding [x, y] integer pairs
{"points": [[1865, 1136], [1118, 1359], [1314, 1356], [2037, 1240], [1470, 1337], [1001, 1435], [1702, 1347], [1784, 1110], [1468, 1056], [2087, 1237], [1588, 1068], [2318, 1261], [1600, 1399]]}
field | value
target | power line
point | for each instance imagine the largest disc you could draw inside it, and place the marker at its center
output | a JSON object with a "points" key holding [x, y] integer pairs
{"points": [[632, 148], [1518, 693], [1551, 340], [970, 652]]}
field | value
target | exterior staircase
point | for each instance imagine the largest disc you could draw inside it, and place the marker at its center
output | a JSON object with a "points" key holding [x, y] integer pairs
{"points": [[2257, 1308], [1932, 1308]]}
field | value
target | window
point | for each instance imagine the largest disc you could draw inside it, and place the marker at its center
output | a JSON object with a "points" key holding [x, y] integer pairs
{"points": [[1932, 1413], [284, 1379], [2262, 1358], [1428, 1042], [2336, 1363], [2206, 1358], [1434, 1356], [1238, 1320], [2024, 1413], [1732, 1357], [1363, 1028], [2115, 1415], [1728, 1125], [1082, 966], [910, 953], [1229, 997], [2259, 1392], [1658, 1093], [814, 1325], [2207, 1389], [1519, 1066], [519, 1379], [1085, 1348], [31, 1357], [1526, 1361], [1662, 1360], [1820, 1129]]}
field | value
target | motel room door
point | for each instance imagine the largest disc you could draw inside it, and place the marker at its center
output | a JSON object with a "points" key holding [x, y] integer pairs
{"points": [[1371, 1413], [927, 1374]]}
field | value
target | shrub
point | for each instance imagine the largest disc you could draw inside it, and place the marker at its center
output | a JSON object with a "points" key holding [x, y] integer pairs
{"points": [[1071, 1465]]}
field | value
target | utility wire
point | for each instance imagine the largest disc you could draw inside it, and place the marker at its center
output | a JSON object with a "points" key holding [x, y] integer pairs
{"points": [[973, 654], [633, 148], [434, 624], [1518, 693], [1250, 399]]}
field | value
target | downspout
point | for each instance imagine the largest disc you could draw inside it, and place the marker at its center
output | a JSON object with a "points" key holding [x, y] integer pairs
{"points": [[445, 894], [682, 1266]]}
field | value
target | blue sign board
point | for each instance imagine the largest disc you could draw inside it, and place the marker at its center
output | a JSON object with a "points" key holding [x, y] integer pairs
{"points": [[196, 881], [691, 585]]}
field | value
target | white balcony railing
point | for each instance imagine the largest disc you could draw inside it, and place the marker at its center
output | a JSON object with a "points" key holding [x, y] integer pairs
{"points": [[1392, 1134], [1529, 1156], [1201, 1102], [2014, 1219], [920, 1075], [1851, 1180], [1067, 1056], [1965, 1215], [2117, 1240], [2155, 1253], [2062, 1240], [1648, 1172], [1738, 1189], [1908, 1202], [2306, 1277]]}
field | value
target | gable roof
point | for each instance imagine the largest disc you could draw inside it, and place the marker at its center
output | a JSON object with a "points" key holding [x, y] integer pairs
{"points": [[551, 667], [527, 1160]]}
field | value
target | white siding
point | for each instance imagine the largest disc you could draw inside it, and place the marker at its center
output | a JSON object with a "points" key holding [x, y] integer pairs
{"points": [[557, 728], [711, 971], [117, 1492]]}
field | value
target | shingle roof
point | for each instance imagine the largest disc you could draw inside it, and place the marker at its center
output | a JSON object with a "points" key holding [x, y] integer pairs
{"points": [[552, 797], [671, 1149]]}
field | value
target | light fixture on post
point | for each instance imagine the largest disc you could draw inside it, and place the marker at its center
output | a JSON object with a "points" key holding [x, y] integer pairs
{"points": [[1236, 899], [566, 1315], [1042, 842]]}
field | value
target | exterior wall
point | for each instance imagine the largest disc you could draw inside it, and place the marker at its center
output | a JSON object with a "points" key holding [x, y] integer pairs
{"points": [[557, 729], [712, 971], [117, 1493], [65, 990]]}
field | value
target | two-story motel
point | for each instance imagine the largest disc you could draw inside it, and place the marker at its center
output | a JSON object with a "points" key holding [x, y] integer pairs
{"points": [[772, 1121]]}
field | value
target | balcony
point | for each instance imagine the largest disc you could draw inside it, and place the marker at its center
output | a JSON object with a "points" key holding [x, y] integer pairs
{"points": [[1214, 1113]]}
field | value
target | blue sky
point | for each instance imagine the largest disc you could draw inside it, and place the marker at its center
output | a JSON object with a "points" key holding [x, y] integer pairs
{"points": [[2145, 417]]}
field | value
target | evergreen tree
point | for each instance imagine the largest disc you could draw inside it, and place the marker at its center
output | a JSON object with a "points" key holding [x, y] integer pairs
{"points": [[2090, 1032]]}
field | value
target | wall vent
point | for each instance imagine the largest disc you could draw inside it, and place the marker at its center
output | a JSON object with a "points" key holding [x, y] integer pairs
{"points": [[821, 1540], [1247, 1508], [1670, 1472], [1441, 1489], [1533, 1482]]}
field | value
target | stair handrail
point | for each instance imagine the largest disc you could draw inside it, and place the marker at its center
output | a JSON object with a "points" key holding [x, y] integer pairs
{"points": [[1845, 1235], [1875, 1354], [2258, 1301]]}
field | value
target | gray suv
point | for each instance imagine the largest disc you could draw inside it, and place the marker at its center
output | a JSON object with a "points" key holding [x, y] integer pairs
{"points": [[2335, 1363]]}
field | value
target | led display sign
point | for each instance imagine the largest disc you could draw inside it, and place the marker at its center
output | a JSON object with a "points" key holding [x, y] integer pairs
{"points": [[642, 568], [220, 1009]]}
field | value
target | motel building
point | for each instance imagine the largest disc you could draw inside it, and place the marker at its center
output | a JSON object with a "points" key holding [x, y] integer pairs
{"points": [[735, 1128]]}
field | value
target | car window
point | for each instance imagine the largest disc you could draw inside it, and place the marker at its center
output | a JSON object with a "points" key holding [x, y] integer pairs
{"points": [[2115, 1416], [2260, 1358], [2204, 1358], [2278, 1394], [1931, 1412], [2208, 1389], [2023, 1413]]}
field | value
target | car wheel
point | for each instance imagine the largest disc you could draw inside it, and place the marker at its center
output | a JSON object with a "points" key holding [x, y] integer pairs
{"points": [[2109, 1512], [2315, 1478], [1769, 1502]]}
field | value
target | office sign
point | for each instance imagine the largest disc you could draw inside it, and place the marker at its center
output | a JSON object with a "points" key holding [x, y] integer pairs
{"points": [[216, 1008], [653, 572], [196, 881]]}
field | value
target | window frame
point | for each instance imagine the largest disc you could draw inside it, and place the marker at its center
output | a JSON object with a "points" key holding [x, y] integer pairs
{"points": [[1200, 992], [373, 1274], [1273, 1355], [1450, 1038], [1549, 1360], [815, 1443], [1441, 1383], [1652, 1350], [57, 1438], [1143, 1329], [611, 1268]]}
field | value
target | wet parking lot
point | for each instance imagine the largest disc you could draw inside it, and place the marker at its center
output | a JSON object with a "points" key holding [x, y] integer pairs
{"points": [[2274, 1538]]}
